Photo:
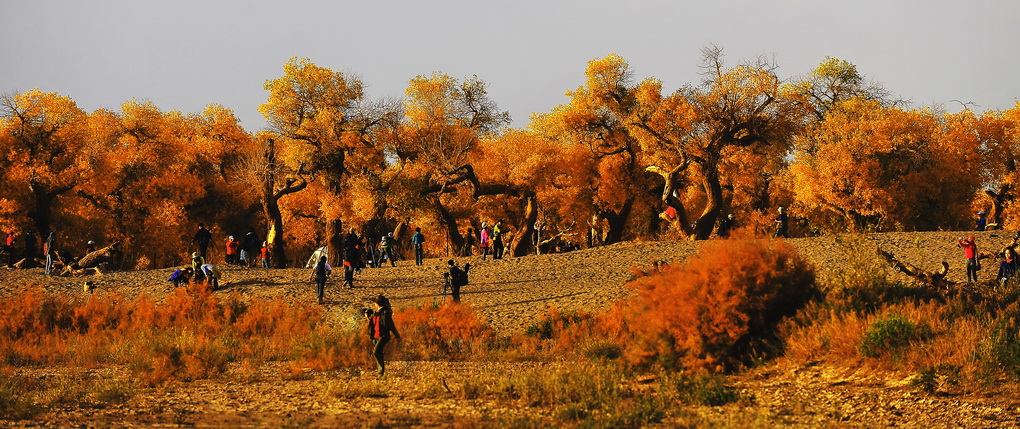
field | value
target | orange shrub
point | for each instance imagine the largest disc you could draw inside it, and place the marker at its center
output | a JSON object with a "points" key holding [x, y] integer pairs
{"points": [[718, 308], [193, 334]]}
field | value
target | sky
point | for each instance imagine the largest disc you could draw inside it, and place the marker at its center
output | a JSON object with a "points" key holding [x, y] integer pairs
{"points": [[186, 54]]}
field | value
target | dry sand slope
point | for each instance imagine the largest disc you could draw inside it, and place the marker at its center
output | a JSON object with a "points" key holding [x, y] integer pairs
{"points": [[511, 293]]}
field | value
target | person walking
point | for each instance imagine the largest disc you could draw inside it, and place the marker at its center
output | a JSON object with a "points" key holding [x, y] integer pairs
{"points": [[458, 278], [483, 240], [202, 239], [320, 273], [970, 251], [380, 326], [48, 252], [418, 240]]}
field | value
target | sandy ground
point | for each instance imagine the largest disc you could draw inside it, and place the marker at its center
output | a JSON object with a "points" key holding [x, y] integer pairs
{"points": [[511, 293]]}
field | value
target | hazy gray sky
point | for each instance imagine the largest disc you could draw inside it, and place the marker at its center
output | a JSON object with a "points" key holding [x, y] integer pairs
{"points": [[185, 54]]}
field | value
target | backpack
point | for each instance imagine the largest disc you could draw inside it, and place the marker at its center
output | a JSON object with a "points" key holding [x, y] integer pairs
{"points": [[460, 277]]}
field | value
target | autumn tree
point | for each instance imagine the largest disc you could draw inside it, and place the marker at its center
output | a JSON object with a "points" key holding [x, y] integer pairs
{"points": [[436, 147], [164, 172], [888, 168], [45, 149], [742, 109], [596, 119], [999, 135], [552, 176], [834, 81], [329, 126]]}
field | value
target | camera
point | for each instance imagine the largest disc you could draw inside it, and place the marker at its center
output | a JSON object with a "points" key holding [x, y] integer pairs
{"points": [[367, 311]]}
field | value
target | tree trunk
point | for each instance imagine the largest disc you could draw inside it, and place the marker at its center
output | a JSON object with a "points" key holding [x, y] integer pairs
{"points": [[42, 213], [278, 250], [335, 242], [670, 199], [453, 237], [522, 240], [713, 204], [999, 200], [271, 202], [617, 222]]}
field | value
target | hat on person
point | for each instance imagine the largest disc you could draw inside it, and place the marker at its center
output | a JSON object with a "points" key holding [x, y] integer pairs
{"points": [[194, 254], [981, 212], [230, 237], [92, 242]]}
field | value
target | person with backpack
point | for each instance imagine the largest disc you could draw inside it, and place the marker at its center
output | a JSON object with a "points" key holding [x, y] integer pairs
{"points": [[320, 273], [418, 240], [380, 326], [386, 244], [457, 278], [202, 239], [970, 251]]}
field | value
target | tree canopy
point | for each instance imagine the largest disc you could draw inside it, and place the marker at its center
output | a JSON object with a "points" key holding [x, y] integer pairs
{"points": [[622, 158]]}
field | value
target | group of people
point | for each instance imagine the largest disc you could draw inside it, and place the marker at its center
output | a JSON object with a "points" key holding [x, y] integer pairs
{"points": [[1008, 267], [246, 253], [488, 239]]}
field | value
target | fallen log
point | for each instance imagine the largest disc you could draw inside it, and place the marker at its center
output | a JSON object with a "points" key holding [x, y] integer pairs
{"points": [[938, 280], [92, 261]]}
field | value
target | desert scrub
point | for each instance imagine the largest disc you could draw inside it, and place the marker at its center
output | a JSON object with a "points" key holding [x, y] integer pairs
{"points": [[890, 335], [1000, 350]]}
